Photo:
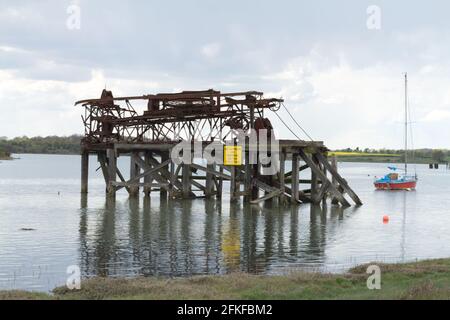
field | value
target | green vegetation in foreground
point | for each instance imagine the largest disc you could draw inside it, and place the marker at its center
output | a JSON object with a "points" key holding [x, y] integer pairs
{"points": [[423, 156], [420, 280], [43, 145]]}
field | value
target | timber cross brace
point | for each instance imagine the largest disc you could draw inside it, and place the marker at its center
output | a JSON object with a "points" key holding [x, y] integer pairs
{"points": [[152, 170], [207, 116]]}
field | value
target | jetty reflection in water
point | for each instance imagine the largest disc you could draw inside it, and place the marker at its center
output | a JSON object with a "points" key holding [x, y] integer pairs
{"points": [[151, 236]]}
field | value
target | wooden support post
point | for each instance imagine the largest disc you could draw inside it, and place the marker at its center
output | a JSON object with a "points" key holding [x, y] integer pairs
{"points": [[324, 188], [255, 175], [186, 180], [209, 183], [148, 178], [219, 184], [247, 172], [314, 182], [282, 197], [84, 171], [334, 200], [172, 179], [295, 178], [233, 183], [165, 156], [112, 171], [134, 172]]}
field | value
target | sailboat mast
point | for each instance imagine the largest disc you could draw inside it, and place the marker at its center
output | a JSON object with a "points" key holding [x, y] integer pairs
{"points": [[406, 123]]}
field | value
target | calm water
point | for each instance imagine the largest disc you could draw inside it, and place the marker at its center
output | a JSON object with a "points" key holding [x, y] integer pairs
{"points": [[177, 238]]}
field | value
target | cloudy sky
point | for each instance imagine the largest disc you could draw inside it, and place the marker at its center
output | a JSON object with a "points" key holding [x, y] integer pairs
{"points": [[341, 79]]}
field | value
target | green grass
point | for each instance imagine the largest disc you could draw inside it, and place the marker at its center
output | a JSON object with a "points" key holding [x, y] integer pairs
{"points": [[420, 280]]}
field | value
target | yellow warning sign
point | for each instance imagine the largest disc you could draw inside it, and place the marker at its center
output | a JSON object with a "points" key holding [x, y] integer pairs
{"points": [[232, 155]]}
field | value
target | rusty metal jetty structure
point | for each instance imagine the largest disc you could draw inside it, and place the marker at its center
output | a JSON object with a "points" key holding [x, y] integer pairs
{"points": [[114, 128]]}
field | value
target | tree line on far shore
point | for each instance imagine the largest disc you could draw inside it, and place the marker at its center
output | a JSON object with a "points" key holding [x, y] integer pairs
{"points": [[424, 154], [71, 145], [44, 145]]}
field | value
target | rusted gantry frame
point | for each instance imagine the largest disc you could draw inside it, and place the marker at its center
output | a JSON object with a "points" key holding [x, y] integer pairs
{"points": [[113, 128]]}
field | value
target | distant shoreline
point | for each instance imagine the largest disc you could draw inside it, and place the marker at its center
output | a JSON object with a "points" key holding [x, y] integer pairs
{"points": [[378, 160], [375, 159]]}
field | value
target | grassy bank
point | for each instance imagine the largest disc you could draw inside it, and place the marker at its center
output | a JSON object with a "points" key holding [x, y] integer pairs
{"points": [[420, 280]]}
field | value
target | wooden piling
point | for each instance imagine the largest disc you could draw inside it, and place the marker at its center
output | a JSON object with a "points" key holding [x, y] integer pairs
{"points": [[314, 182], [148, 178], [323, 189], [295, 179], [186, 180], [281, 173], [247, 173], [134, 172], [219, 184], [209, 183], [84, 171], [112, 171], [165, 156]]}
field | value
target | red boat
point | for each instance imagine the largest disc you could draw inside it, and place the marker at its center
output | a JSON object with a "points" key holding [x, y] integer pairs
{"points": [[393, 181]]}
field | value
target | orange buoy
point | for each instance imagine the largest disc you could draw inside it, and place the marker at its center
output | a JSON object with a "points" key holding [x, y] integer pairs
{"points": [[385, 219]]}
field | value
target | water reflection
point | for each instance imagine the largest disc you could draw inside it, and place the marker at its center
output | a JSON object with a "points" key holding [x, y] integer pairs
{"points": [[154, 236]]}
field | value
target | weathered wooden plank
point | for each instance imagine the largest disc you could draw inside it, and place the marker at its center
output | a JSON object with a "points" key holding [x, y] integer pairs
{"points": [[267, 196], [119, 174], [148, 170], [301, 168], [320, 174], [211, 171], [322, 192], [264, 186], [301, 195], [339, 179], [198, 185], [123, 184], [334, 200], [101, 157]]}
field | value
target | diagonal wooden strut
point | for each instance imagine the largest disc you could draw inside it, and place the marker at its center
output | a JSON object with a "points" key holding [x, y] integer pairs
{"points": [[338, 178], [315, 169]]}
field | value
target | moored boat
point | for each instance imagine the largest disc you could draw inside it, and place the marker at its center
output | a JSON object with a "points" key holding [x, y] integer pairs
{"points": [[394, 181]]}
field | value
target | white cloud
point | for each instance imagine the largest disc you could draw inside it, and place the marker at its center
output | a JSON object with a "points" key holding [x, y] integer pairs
{"points": [[437, 116], [46, 107], [348, 106], [211, 50], [341, 81]]}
